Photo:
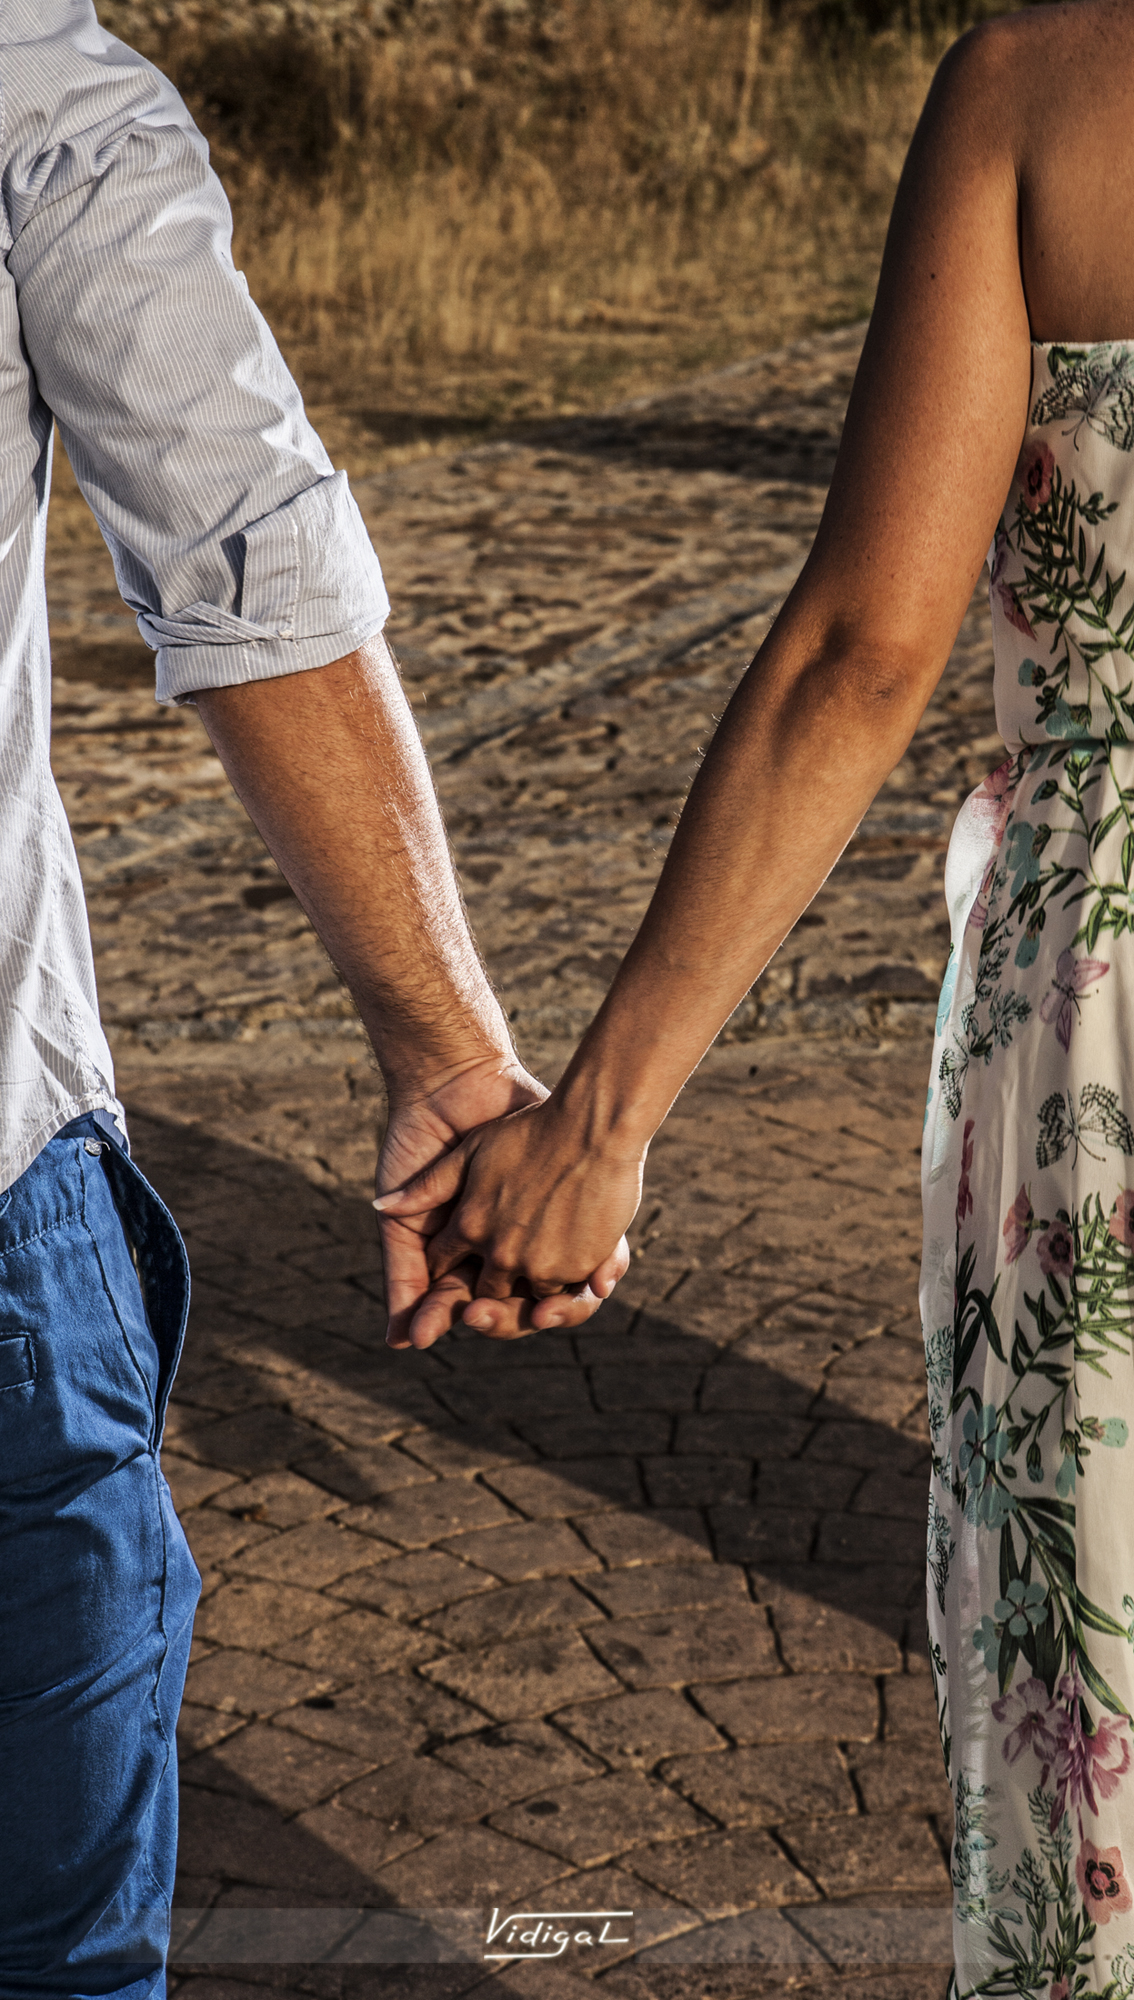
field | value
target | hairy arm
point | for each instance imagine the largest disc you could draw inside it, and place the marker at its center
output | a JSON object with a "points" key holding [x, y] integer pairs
{"points": [[329, 765], [823, 714]]}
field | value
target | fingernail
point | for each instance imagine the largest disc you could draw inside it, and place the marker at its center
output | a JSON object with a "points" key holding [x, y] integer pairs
{"points": [[379, 1202], [554, 1319], [480, 1322]]}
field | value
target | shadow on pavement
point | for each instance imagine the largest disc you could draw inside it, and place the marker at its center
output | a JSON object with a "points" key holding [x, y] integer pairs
{"points": [[686, 1467]]}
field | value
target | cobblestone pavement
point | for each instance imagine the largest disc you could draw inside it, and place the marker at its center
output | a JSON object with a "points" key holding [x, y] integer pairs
{"points": [[628, 1620]]}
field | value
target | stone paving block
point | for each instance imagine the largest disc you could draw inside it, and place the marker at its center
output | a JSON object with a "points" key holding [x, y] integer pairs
{"points": [[258, 1614], [905, 1496], [697, 1482], [741, 1384], [476, 1398], [876, 1538], [415, 1795], [314, 1555], [244, 1841], [749, 1534], [822, 1638], [870, 1447], [734, 1433], [881, 1359], [882, 1401], [663, 1535], [383, 1718], [525, 1549], [642, 1340], [715, 1302], [796, 1708], [192, 1484], [632, 1434], [472, 1448], [444, 1507], [604, 1817], [671, 1649], [200, 1728], [805, 1483], [907, 1703], [639, 1728], [410, 1586], [580, 1486], [251, 1441], [724, 1873], [765, 1785], [216, 1538], [630, 1386], [466, 1353], [359, 1642], [525, 1676], [542, 1606], [360, 1473], [903, 1776], [516, 1759], [471, 1865], [281, 1498], [242, 1683], [859, 1863], [668, 1587], [260, 1762]]}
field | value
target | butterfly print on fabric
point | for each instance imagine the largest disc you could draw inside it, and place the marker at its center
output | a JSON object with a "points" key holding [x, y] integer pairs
{"points": [[1095, 386], [1072, 977], [1099, 1114]]}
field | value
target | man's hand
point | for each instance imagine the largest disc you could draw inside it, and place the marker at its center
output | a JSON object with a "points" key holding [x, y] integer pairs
{"points": [[418, 1134]]}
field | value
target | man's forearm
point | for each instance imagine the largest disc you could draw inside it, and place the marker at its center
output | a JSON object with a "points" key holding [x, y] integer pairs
{"points": [[329, 766]]}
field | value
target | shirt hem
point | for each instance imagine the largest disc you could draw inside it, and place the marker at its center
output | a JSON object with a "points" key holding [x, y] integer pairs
{"points": [[17, 1163]]}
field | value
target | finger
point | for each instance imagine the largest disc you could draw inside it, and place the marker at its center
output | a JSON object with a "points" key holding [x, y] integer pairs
{"points": [[406, 1278], [495, 1282], [434, 1187], [441, 1308], [499, 1319], [449, 1248], [566, 1309], [612, 1268]]}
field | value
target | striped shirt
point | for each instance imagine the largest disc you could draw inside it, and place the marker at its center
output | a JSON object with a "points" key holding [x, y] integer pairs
{"points": [[124, 324]]}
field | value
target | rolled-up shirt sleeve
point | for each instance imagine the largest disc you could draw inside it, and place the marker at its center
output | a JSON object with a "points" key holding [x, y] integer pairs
{"points": [[234, 540]]}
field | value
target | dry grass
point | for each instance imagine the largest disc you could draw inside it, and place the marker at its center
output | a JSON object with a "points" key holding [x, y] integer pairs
{"points": [[514, 213]]}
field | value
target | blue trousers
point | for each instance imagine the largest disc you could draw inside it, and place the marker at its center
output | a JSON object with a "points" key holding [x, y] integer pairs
{"points": [[97, 1586]]}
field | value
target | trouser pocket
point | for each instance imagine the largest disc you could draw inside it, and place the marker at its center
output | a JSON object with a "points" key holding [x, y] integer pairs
{"points": [[161, 1264]]}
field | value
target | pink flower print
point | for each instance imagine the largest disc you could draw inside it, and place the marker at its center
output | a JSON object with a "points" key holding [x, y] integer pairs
{"points": [[992, 800], [1121, 1224], [1018, 1225], [1087, 1767], [964, 1191], [978, 915], [1005, 595], [1060, 1990], [1072, 977], [1036, 1723], [1056, 1251], [1102, 1881], [1035, 470]]}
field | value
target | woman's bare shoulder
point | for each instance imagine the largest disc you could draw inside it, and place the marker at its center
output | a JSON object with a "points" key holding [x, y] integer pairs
{"points": [[1042, 70]]}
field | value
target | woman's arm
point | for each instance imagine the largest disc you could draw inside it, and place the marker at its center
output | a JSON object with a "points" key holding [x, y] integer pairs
{"points": [[820, 719]]}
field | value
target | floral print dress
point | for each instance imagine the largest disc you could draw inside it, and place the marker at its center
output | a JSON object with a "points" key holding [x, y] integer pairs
{"points": [[1028, 1275]]}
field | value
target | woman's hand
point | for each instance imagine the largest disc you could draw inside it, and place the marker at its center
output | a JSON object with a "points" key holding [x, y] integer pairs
{"points": [[540, 1211]]}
